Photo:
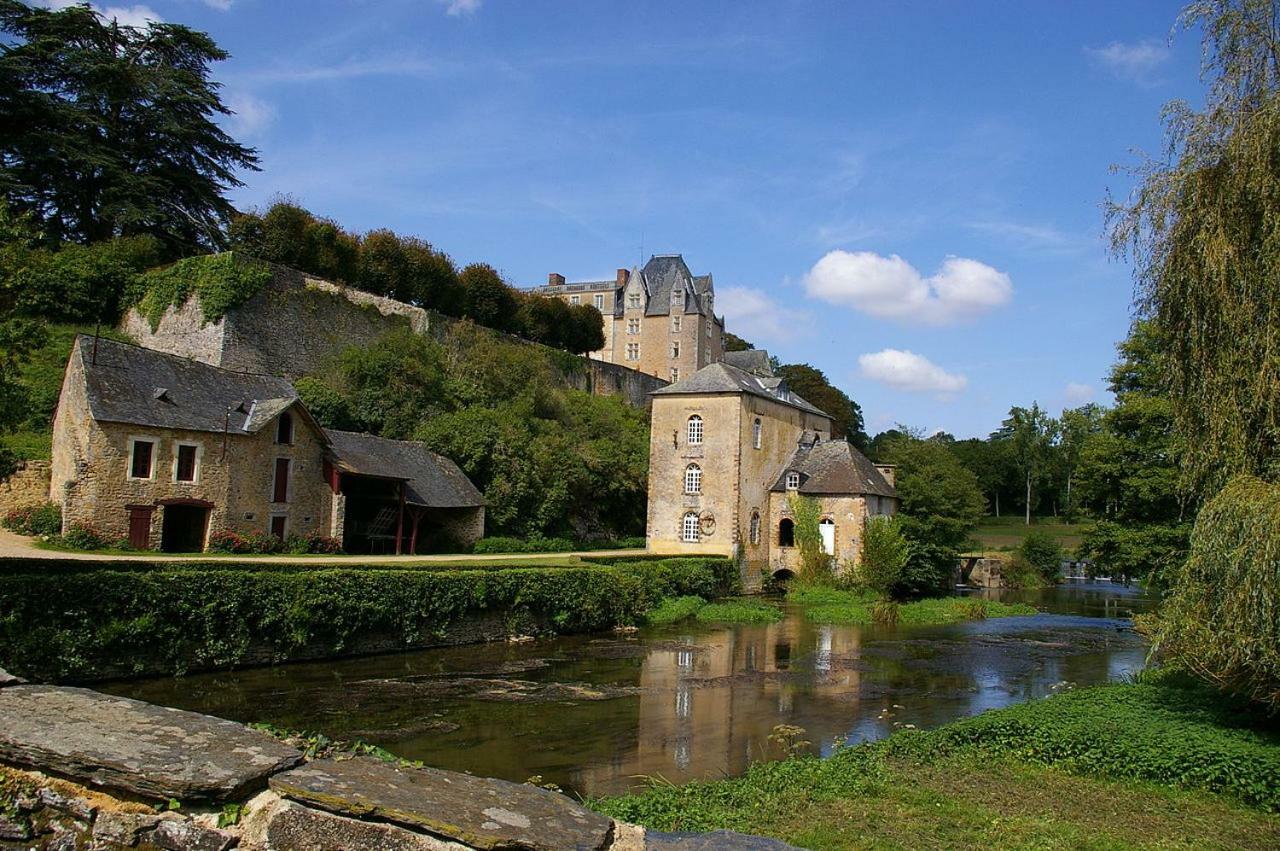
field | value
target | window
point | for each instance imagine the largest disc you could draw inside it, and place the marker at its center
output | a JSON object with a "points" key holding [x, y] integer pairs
{"points": [[633, 300], [694, 431], [757, 431], [141, 458], [575, 299], [284, 429], [675, 374], [708, 330], [280, 487], [675, 324], [689, 532], [693, 479], [598, 301], [633, 351], [786, 533], [755, 527], [675, 349], [633, 326], [793, 480], [827, 533], [184, 468]]}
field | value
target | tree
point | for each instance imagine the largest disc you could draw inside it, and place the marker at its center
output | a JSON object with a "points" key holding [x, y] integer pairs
{"points": [[812, 384], [292, 236], [885, 553], [992, 465], [1076, 427], [487, 300], [1030, 433], [734, 343], [109, 130]]}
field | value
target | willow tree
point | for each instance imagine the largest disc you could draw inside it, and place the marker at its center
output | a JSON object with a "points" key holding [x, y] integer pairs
{"points": [[1202, 229]]}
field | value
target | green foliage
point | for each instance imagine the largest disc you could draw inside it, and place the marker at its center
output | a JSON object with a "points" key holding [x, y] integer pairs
{"points": [[806, 512], [1153, 551], [1043, 552], [813, 386], [78, 283], [886, 613], [39, 378], [885, 551], [111, 130], [832, 606], [291, 236], [222, 281], [504, 544], [1221, 619], [1030, 434], [674, 609], [328, 406], [44, 519], [391, 386], [77, 624], [83, 536], [740, 610]]}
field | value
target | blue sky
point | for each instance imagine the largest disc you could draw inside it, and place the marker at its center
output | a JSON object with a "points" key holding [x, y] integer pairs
{"points": [[906, 195]]}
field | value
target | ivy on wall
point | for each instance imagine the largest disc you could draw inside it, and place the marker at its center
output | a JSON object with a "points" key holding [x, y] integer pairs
{"points": [[222, 281]]}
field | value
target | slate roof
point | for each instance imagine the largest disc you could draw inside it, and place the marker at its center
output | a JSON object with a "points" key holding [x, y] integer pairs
{"points": [[722, 377], [129, 384], [751, 360], [659, 276], [432, 480], [833, 467]]}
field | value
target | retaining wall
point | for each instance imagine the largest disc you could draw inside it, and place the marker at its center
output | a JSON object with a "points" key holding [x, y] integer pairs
{"points": [[29, 485]]}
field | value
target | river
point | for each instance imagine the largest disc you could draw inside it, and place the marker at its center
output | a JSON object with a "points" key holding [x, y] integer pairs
{"points": [[595, 714]]}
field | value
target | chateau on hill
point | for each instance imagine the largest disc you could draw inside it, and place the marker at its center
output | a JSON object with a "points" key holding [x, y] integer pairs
{"points": [[659, 319], [729, 447]]}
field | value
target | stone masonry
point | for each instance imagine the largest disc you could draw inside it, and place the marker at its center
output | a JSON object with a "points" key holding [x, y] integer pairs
{"points": [[28, 485]]}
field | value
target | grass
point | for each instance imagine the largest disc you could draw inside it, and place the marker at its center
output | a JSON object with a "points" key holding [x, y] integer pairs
{"points": [[674, 609], [29, 445], [1007, 532], [834, 606], [1160, 763], [740, 610]]}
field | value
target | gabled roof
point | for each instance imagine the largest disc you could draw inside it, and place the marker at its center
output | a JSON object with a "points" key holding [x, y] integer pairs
{"points": [[125, 383], [721, 377], [833, 467], [431, 480], [755, 361]]}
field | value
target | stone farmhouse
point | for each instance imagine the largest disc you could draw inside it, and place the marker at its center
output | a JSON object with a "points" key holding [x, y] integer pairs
{"points": [[729, 446], [659, 320], [164, 450]]}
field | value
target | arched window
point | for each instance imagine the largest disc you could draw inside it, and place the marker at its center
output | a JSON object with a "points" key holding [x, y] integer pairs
{"points": [[756, 433], [689, 528], [755, 527], [284, 428], [793, 480], [694, 433], [693, 479], [827, 533], [786, 533]]}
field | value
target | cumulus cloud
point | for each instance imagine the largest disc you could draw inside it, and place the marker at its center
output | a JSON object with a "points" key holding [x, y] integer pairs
{"points": [[220, 5], [250, 115], [127, 16], [459, 7], [1137, 61], [1077, 394], [906, 370], [891, 288], [754, 315]]}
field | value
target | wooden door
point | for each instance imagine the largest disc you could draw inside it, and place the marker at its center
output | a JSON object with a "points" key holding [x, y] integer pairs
{"points": [[278, 526], [140, 526]]}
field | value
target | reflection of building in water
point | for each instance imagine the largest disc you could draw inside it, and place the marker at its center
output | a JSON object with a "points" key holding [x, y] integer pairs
{"points": [[694, 723]]}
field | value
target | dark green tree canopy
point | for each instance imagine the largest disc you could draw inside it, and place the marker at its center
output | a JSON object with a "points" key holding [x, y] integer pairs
{"points": [[109, 130], [811, 383]]}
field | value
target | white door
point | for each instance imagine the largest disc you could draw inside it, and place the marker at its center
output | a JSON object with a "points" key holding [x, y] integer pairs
{"points": [[828, 530]]}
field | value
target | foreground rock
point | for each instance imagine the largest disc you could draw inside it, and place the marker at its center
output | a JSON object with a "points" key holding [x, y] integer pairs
{"points": [[133, 747], [8, 679], [477, 812]]}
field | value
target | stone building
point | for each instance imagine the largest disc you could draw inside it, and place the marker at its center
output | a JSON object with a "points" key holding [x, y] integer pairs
{"points": [[659, 320], [728, 449], [162, 451]]}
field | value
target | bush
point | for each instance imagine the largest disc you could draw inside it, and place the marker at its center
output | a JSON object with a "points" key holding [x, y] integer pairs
{"points": [[1017, 572], [40, 520], [149, 619], [83, 536], [501, 544], [257, 543], [740, 610], [885, 613], [884, 554], [673, 610], [1043, 552], [1222, 617], [312, 543]]}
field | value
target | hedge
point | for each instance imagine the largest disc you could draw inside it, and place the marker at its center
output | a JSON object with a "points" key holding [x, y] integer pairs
{"points": [[68, 625]]}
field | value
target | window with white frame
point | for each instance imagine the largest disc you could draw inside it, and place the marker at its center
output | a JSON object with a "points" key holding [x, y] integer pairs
{"points": [[633, 300], [693, 434], [689, 531], [598, 301], [633, 351], [142, 458], [633, 326], [755, 527], [757, 433], [793, 480], [675, 323], [675, 374], [575, 299], [693, 479], [675, 349]]}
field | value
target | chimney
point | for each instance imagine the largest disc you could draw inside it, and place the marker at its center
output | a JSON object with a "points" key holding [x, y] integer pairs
{"points": [[622, 277], [554, 280], [887, 471]]}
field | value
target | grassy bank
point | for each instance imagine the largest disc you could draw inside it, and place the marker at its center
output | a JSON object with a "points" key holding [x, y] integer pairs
{"points": [[1164, 762], [1007, 532], [834, 606], [80, 621]]}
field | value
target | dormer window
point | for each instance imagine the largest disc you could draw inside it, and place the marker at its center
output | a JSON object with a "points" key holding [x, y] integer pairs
{"points": [[793, 480], [284, 429], [633, 300]]}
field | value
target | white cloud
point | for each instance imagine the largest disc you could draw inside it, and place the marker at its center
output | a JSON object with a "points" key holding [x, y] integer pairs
{"points": [[252, 115], [1077, 394], [906, 370], [891, 288], [220, 5], [460, 7], [753, 315], [128, 16], [1137, 61]]}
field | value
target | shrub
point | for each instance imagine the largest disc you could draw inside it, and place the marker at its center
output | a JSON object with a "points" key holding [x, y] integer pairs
{"points": [[673, 610], [501, 544], [83, 536], [257, 543], [1017, 572], [43, 519], [312, 543], [1043, 552], [884, 554], [815, 565], [740, 610], [885, 613]]}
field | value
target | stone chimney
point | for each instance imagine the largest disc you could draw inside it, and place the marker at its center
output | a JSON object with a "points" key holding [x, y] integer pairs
{"points": [[554, 280], [622, 277], [888, 471]]}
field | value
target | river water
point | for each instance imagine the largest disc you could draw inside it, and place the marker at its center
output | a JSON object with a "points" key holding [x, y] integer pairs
{"points": [[595, 714]]}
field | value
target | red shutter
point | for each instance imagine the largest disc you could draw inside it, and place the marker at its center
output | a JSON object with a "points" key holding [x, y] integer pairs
{"points": [[281, 493]]}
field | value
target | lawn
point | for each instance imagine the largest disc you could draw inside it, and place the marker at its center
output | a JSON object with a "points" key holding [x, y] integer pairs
{"points": [[1007, 532]]}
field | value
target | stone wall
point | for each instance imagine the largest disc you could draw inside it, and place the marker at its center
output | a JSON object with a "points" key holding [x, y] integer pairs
{"points": [[28, 485], [82, 770]]}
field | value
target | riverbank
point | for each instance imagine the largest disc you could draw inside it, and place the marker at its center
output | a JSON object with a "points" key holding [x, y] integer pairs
{"points": [[1161, 762]]}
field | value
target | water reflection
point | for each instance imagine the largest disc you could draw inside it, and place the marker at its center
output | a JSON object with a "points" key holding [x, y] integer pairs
{"points": [[595, 713]]}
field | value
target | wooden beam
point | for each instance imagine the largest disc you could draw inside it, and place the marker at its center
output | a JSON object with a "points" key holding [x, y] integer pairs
{"points": [[400, 520]]}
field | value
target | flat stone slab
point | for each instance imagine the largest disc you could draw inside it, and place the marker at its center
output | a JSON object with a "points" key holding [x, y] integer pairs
{"points": [[719, 840], [133, 747], [8, 679], [475, 811]]}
